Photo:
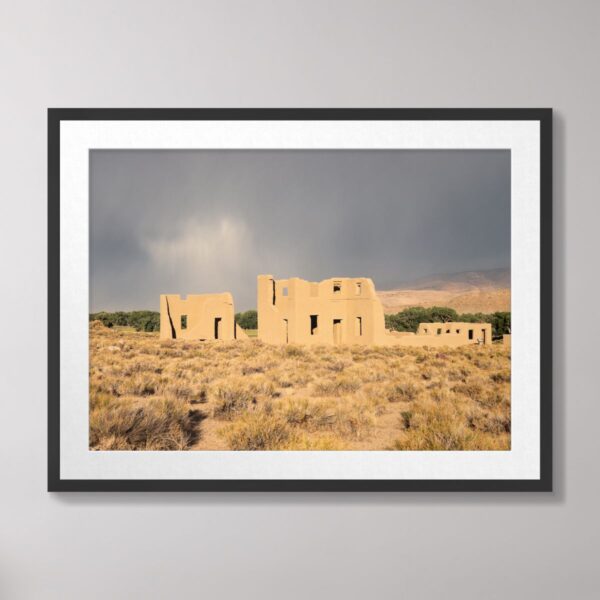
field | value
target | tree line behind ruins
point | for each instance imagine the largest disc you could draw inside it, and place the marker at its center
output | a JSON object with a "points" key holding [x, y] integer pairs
{"points": [[406, 320]]}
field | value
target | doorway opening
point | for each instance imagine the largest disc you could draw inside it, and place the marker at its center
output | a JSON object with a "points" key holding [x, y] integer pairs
{"points": [[337, 331], [314, 324], [217, 328]]}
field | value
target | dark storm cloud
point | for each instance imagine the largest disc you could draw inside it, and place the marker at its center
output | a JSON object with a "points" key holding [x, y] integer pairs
{"points": [[210, 221]]}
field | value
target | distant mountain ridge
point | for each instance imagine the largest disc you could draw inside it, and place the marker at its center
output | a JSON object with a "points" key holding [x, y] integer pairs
{"points": [[466, 292]]}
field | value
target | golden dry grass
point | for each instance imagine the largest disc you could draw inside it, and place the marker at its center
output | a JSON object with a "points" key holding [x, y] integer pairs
{"points": [[176, 395]]}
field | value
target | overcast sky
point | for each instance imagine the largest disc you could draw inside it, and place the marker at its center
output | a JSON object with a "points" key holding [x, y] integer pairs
{"points": [[206, 221]]}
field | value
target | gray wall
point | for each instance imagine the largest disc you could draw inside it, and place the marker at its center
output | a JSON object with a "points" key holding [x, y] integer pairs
{"points": [[278, 53]]}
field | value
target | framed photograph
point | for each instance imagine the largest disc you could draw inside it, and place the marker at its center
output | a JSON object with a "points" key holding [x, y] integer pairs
{"points": [[300, 299]]}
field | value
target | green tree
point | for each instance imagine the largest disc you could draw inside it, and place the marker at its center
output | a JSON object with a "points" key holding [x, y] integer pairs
{"points": [[247, 320], [140, 320], [500, 321], [409, 318]]}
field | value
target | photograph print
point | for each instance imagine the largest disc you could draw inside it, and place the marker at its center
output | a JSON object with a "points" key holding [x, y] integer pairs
{"points": [[300, 300]]}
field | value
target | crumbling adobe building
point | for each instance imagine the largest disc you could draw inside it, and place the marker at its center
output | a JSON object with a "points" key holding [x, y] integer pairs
{"points": [[344, 311], [198, 317], [333, 311]]}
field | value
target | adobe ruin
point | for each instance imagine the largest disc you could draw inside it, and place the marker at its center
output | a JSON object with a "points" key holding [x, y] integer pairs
{"points": [[333, 311], [342, 310], [198, 317]]}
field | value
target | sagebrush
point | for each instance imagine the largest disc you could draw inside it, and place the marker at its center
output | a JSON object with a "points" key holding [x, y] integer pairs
{"points": [[147, 394]]}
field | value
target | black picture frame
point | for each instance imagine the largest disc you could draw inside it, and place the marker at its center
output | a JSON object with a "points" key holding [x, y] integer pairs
{"points": [[58, 115]]}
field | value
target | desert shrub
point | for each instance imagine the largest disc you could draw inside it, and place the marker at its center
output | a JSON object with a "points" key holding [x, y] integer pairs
{"points": [[459, 374], [231, 399], [353, 421], [370, 371], [261, 385], [441, 394], [283, 381], [401, 392], [250, 368], [140, 366], [434, 429], [470, 389], [501, 376], [303, 413], [298, 412], [293, 351], [344, 420], [489, 422], [258, 431], [125, 424], [140, 384], [321, 442], [338, 365], [183, 390], [337, 386], [492, 398], [444, 427], [406, 416]]}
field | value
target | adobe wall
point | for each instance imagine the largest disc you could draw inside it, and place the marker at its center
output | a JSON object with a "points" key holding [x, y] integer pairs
{"points": [[456, 334], [208, 316]]}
